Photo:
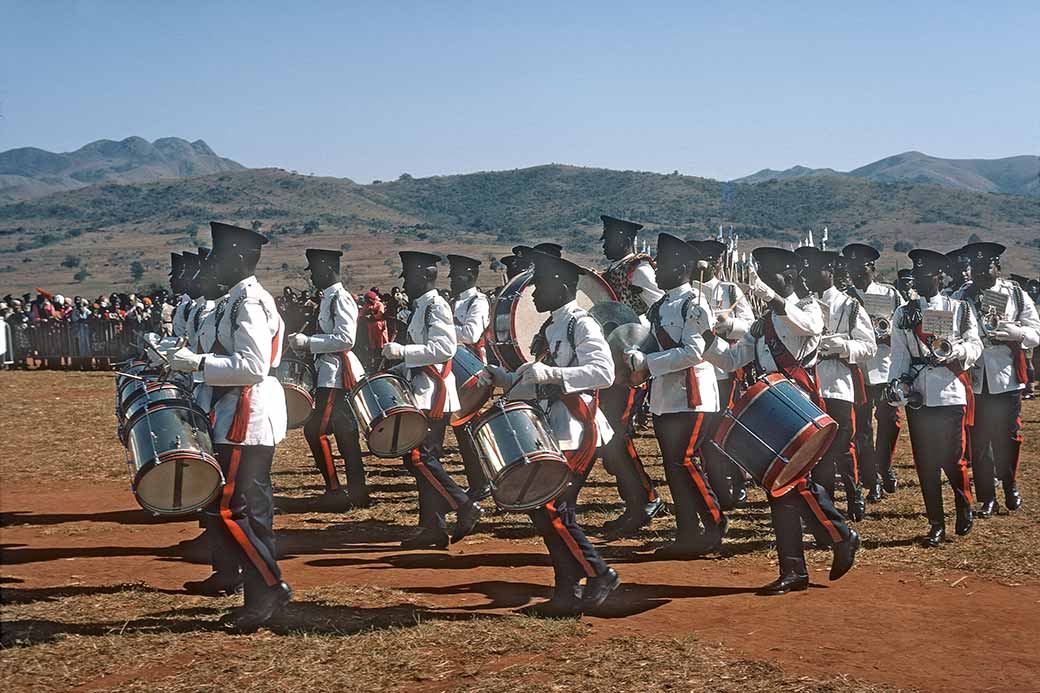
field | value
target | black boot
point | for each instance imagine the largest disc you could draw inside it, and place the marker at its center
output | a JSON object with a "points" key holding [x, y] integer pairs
{"points": [[598, 588], [1012, 496], [789, 582], [936, 535], [630, 523], [844, 555], [565, 603], [693, 546], [986, 509], [876, 492], [479, 493], [466, 522], [965, 519], [260, 608], [427, 539], [889, 482], [856, 509], [216, 585]]}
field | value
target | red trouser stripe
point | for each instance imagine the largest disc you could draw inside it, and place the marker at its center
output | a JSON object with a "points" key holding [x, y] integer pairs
{"points": [[695, 474], [437, 485], [232, 526], [852, 449], [633, 456], [962, 465], [568, 540], [326, 447], [810, 500]]}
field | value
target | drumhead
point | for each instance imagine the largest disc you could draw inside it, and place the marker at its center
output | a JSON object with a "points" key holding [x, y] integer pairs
{"points": [[397, 432], [180, 483], [299, 405], [808, 448], [530, 484]]}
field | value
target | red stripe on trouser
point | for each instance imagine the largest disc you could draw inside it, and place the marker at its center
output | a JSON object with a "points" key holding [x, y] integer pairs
{"points": [[232, 526], [1016, 457], [852, 449], [326, 447], [568, 540], [962, 465], [637, 463], [437, 485], [810, 500], [695, 474]]}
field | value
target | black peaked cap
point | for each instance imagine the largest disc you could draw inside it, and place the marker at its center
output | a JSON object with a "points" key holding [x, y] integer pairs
{"points": [[861, 252], [671, 246], [466, 264], [776, 259], [548, 266], [320, 257], [928, 260], [621, 226], [228, 237], [983, 251]]}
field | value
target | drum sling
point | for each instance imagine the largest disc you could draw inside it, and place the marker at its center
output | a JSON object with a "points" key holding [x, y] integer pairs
{"points": [[789, 366], [436, 375], [693, 390], [477, 347]]}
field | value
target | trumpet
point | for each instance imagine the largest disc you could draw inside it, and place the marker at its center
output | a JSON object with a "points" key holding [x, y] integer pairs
{"points": [[900, 393], [990, 321], [941, 347], [882, 327]]}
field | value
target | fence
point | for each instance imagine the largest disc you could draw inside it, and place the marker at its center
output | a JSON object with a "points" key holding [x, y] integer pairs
{"points": [[84, 343]]}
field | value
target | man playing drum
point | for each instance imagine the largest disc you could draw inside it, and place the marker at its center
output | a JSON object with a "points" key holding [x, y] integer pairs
{"points": [[785, 340], [338, 370], [248, 414], [631, 277], [201, 306], [573, 364], [426, 367], [192, 296], [471, 311], [179, 279], [683, 391]]}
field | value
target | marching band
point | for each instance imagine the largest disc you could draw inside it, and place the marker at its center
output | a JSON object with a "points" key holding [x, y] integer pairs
{"points": [[793, 370]]}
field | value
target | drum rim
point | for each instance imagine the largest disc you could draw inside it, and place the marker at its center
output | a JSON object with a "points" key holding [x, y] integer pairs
{"points": [[749, 398], [499, 410], [188, 405], [376, 376], [464, 418], [170, 456], [542, 455], [302, 390], [383, 417], [823, 423]]}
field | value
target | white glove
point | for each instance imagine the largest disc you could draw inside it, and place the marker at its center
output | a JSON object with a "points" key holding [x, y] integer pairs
{"points": [[497, 376], [184, 359], [760, 289], [724, 326], [834, 345], [1008, 331], [393, 351], [538, 373], [299, 341], [635, 360], [899, 391]]}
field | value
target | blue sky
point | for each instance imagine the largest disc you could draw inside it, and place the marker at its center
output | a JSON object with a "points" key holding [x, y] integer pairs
{"points": [[371, 90]]}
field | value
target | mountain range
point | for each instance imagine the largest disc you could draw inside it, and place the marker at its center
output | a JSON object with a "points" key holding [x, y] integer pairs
{"points": [[1014, 175], [28, 172]]}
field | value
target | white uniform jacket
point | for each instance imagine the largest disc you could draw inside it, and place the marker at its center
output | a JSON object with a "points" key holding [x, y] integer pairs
{"points": [[180, 316], [938, 384], [727, 296], [876, 369], [997, 359], [200, 308], [799, 330], [586, 366], [252, 339], [844, 316], [472, 311], [337, 330], [431, 333], [206, 339], [668, 367]]}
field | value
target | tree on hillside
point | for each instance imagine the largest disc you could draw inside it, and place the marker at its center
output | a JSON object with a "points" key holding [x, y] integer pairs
{"points": [[136, 270], [81, 275], [311, 226], [70, 261], [256, 225]]}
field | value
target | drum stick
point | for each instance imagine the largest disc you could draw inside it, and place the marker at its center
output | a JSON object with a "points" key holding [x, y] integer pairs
{"points": [[128, 375]]}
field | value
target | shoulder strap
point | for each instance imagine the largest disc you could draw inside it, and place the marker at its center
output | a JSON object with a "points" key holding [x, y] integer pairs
{"points": [[853, 315], [1016, 293]]}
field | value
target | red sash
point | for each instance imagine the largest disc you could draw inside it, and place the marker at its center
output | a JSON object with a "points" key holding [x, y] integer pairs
{"points": [[789, 365], [347, 376], [693, 390], [244, 408], [859, 385], [440, 388], [579, 460], [1018, 358]]}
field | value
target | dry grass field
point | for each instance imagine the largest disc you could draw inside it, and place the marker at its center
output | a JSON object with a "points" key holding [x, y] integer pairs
{"points": [[92, 596]]}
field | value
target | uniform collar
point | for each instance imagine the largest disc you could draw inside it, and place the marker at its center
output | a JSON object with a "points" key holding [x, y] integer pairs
{"points": [[472, 291], [330, 290], [830, 294], [678, 291], [712, 283], [565, 310], [792, 299], [200, 301], [427, 297], [241, 285]]}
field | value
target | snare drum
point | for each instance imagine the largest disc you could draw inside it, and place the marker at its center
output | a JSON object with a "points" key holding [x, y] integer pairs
{"points": [[775, 433], [140, 394], [386, 411], [466, 368], [519, 456], [170, 453], [515, 322], [299, 381]]}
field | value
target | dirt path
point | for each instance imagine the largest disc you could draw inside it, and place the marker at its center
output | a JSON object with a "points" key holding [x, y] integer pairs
{"points": [[879, 626]]}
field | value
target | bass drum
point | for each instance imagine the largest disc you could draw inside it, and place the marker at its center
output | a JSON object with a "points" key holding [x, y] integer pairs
{"points": [[519, 456], [299, 382], [515, 322], [466, 367], [775, 433], [170, 455], [386, 412]]}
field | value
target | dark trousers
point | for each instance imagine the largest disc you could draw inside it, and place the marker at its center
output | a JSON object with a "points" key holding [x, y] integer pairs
{"points": [[333, 415], [840, 458], [725, 477], [475, 477], [807, 501], [240, 522], [937, 440], [438, 492], [996, 441], [874, 455], [620, 404], [572, 554], [680, 436]]}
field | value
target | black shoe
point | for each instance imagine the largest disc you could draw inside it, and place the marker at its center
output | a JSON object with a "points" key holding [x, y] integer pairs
{"points": [[467, 520], [1012, 497], [739, 495], [427, 539], [612, 526], [334, 501], [598, 588], [479, 493], [936, 535], [889, 482], [876, 493], [986, 509], [856, 508], [554, 608], [631, 522], [651, 509], [216, 585], [359, 499], [261, 609], [844, 555], [965, 519], [687, 549], [791, 582]]}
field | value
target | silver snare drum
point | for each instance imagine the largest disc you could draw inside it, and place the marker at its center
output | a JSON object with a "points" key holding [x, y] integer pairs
{"points": [[386, 412], [520, 456], [299, 381]]}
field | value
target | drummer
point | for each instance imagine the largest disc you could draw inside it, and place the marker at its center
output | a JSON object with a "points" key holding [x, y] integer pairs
{"points": [[683, 391], [426, 367], [733, 317], [201, 305], [573, 365], [515, 265], [631, 277], [785, 340], [189, 266], [471, 310], [177, 288], [338, 370], [248, 415]]}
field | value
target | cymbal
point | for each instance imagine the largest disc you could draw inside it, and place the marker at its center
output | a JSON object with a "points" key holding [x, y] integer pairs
{"points": [[612, 314], [624, 338]]}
